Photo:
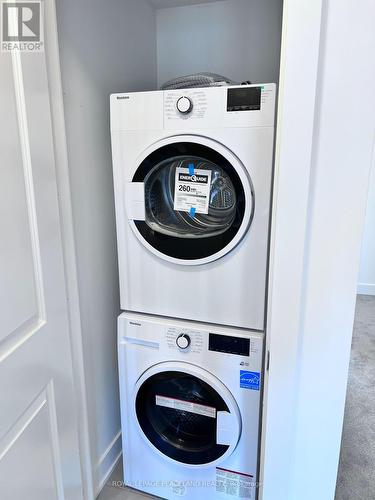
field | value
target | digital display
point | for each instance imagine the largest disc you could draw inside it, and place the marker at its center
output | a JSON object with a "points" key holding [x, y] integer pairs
{"points": [[228, 344], [244, 99]]}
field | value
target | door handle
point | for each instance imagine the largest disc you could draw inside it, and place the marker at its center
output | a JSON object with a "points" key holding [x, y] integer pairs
{"points": [[226, 428], [135, 200]]}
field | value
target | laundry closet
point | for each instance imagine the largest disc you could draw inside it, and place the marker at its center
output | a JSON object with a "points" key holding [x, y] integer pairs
{"points": [[124, 46]]}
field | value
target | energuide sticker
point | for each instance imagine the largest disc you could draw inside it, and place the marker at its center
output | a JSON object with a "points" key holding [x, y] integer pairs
{"points": [[179, 404], [192, 190], [250, 380], [235, 484]]}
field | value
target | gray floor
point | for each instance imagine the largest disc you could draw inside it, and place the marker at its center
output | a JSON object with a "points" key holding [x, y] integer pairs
{"points": [[356, 479], [113, 490]]}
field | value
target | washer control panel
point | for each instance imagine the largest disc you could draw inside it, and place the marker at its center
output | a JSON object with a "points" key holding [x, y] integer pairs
{"points": [[184, 339], [228, 351]]}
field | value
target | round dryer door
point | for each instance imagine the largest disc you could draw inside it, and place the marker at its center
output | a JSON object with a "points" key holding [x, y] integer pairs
{"points": [[186, 414], [198, 200]]}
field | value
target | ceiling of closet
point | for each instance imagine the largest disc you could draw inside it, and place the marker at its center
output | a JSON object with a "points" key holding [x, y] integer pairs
{"points": [[160, 4]]}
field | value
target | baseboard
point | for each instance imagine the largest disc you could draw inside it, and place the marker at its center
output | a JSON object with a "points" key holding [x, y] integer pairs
{"points": [[106, 463], [366, 289]]}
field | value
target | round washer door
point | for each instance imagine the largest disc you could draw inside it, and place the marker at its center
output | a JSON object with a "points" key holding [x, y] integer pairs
{"points": [[197, 196], [186, 414]]}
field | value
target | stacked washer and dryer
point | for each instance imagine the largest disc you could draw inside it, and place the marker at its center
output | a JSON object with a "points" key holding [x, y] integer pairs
{"points": [[192, 177]]}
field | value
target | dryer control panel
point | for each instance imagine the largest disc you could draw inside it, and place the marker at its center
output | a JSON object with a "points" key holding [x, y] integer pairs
{"points": [[195, 108], [185, 104], [237, 106], [244, 99]]}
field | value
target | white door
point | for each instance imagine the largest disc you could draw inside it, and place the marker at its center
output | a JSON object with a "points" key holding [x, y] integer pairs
{"points": [[39, 453]]}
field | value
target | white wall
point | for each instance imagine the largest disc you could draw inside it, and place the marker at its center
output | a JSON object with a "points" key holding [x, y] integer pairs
{"points": [[366, 281], [102, 51], [239, 39]]}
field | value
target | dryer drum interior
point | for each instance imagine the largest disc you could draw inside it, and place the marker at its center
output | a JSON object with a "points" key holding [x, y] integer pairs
{"points": [[188, 437], [177, 233]]}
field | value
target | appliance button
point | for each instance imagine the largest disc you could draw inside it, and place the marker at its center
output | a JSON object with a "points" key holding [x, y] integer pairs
{"points": [[183, 341], [184, 105]]}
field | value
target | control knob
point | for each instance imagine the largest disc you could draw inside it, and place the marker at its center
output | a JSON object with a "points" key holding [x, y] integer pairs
{"points": [[184, 105], [183, 341]]}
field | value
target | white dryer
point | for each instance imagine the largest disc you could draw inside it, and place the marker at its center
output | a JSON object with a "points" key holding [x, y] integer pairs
{"points": [[192, 176], [190, 408]]}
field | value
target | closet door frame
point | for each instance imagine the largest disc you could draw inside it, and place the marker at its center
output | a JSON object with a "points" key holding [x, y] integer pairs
{"points": [[63, 186], [324, 152]]}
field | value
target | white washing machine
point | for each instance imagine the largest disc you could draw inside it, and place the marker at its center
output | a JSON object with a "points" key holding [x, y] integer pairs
{"points": [[190, 408], [192, 176]]}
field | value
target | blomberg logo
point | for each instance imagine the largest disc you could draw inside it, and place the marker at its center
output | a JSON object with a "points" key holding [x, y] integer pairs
{"points": [[202, 179], [21, 26]]}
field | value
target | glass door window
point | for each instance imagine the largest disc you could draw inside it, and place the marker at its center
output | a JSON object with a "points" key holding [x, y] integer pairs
{"points": [[162, 217], [215, 214], [177, 412]]}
